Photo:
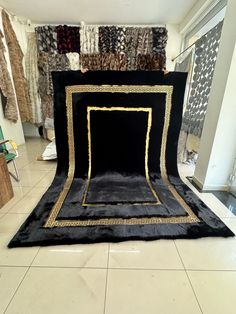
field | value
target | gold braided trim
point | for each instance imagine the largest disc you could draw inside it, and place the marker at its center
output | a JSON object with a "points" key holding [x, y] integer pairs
{"points": [[123, 221], [149, 125], [168, 90]]}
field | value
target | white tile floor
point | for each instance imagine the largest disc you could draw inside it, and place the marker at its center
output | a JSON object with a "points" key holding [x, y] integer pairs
{"points": [[164, 277]]}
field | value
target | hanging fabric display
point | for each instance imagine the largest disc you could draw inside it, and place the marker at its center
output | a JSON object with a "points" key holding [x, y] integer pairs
{"points": [[6, 87], [120, 62], [143, 62], [95, 48], [184, 65], [159, 38], [131, 40], [90, 61], [158, 61], [68, 39], [131, 37], [107, 61], [48, 62], [110, 61], [58, 50], [46, 38], [206, 49], [150, 62], [16, 56], [89, 39], [32, 76], [46, 100], [121, 40], [143, 49], [145, 40], [107, 39], [56, 62], [104, 39], [74, 63], [104, 62]]}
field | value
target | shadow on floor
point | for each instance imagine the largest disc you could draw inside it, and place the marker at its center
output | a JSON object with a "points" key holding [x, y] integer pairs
{"points": [[228, 199]]}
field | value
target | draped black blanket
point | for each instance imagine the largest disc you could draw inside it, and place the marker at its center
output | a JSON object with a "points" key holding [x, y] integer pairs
{"points": [[117, 177]]}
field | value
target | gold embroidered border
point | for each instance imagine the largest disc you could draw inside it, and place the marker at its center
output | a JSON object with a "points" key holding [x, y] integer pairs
{"points": [[149, 124], [52, 219]]}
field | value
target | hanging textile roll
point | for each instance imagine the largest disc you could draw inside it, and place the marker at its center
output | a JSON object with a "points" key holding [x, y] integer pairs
{"points": [[91, 61], [32, 76], [113, 39], [131, 44], [145, 40], [108, 37], [16, 56], [68, 39], [107, 61], [131, 41], [104, 39], [184, 65], [56, 62], [73, 58], [120, 45], [120, 62], [6, 87], [158, 61], [46, 100], [46, 38], [89, 39], [159, 38], [144, 62], [113, 62]]}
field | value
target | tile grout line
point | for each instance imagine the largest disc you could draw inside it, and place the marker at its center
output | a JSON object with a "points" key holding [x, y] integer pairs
{"points": [[16, 290], [120, 269], [28, 267], [106, 286], [4, 214], [8, 212], [18, 287], [189, 279], [16, 201], [25, 193], [35, 257]]}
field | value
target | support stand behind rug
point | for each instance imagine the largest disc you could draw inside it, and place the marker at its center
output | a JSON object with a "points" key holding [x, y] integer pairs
{"points": [[117, 177]]}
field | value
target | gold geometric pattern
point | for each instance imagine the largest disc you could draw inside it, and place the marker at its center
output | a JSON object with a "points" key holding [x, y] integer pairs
{"points": [[70, 90]]}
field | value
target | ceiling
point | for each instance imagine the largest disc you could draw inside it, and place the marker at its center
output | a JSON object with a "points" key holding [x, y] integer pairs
{"points": [[100, 11]]}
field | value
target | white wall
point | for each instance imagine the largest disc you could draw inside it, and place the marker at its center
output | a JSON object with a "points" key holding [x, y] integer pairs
{"points": [[173, 45], [224, 151], [196, 13], [11, 130], [218, 142]]}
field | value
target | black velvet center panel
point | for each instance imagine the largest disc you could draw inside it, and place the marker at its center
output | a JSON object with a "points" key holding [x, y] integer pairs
{"points": [[117, 177]]}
